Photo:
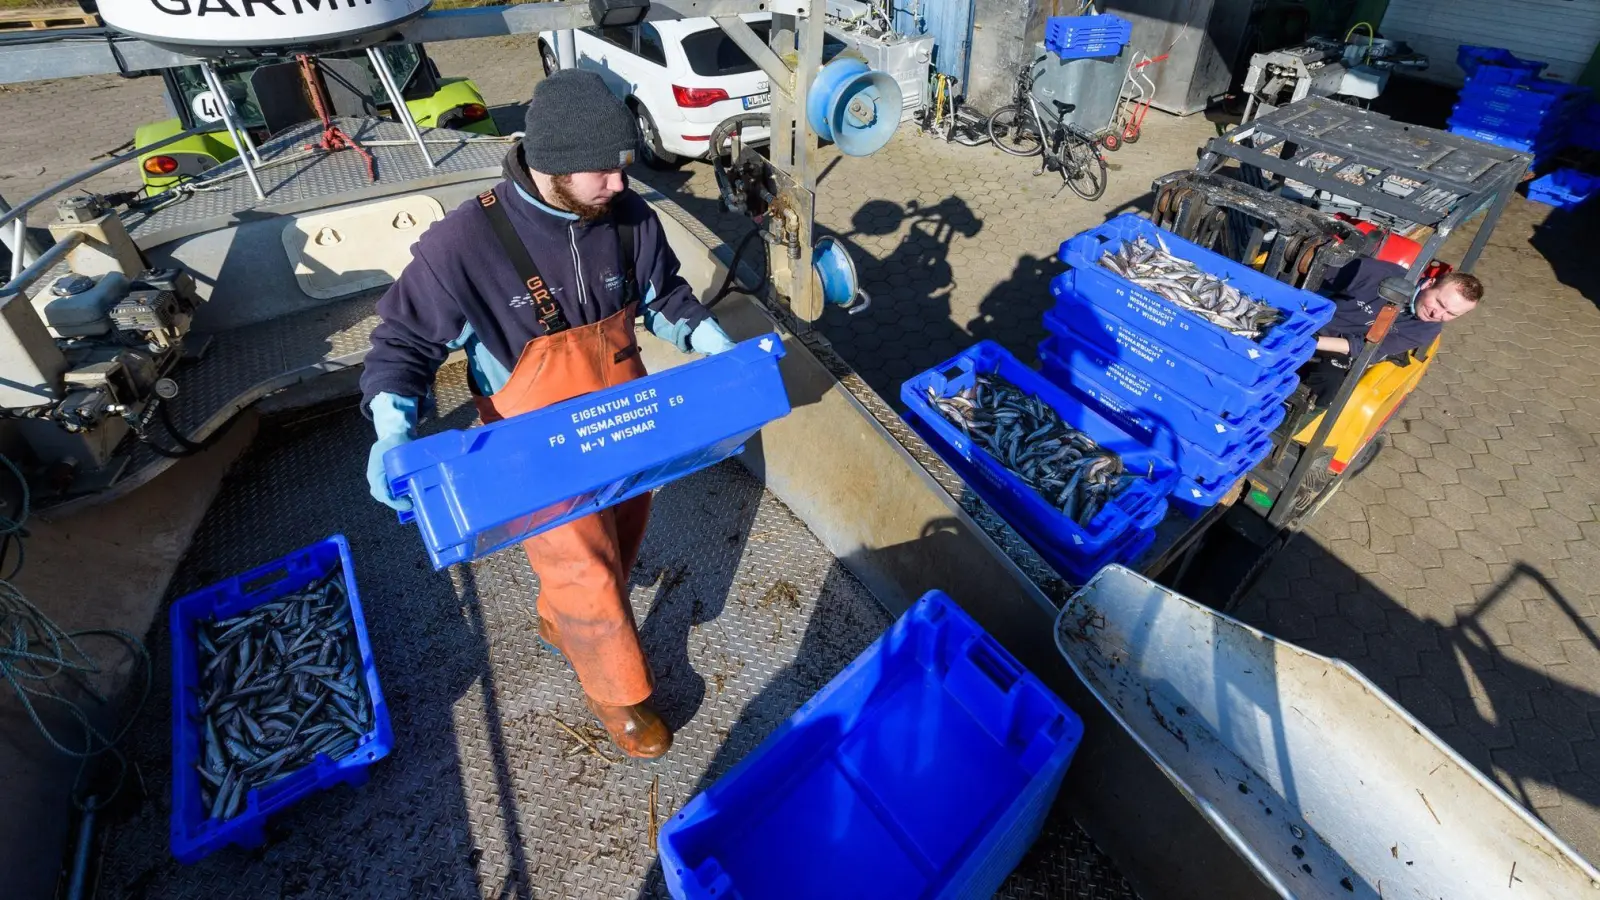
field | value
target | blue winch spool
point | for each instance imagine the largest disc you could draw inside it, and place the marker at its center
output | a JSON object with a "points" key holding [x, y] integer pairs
{"points": [[856, 108], [837, 272]]}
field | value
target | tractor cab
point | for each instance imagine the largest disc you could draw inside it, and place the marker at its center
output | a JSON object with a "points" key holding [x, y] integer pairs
{"points": [[269, 95]]}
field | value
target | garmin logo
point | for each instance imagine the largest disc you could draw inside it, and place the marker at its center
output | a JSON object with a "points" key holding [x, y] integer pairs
{"points": [[231, 7]]}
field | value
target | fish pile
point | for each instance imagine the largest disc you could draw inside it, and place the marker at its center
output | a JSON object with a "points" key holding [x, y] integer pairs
{"points": [[1182, 282], [279, 684], [1062, 464]]}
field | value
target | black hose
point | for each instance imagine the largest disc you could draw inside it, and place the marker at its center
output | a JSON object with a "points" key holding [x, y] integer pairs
{"points": [[187, 447], [729, 282]]}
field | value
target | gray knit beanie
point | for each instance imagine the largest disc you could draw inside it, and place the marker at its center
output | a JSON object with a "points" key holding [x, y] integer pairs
{"points": [[575, 124]]}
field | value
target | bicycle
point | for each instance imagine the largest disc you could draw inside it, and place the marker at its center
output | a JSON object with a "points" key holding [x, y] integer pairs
{"points": [[947, 117], [1022, 128]]}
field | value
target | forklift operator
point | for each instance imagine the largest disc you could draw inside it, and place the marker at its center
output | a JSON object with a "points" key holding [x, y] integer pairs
{"points": [[1354, 291], [538, 280]]}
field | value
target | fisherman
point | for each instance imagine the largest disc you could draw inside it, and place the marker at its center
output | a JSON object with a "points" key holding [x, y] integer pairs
{"points": [[539, 280], [1354, 292]]}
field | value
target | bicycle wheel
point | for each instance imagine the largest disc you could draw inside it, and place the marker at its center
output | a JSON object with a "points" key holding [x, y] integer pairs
{"points": [[1015, 132], [1083, 167]]}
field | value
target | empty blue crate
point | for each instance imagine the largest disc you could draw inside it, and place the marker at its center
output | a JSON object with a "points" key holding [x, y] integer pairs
{"points": [[1538, 146], [1140, 506], [194, 832], [1548, 127], [925, 769], [477, 490], [1245, 360], [1563, 189], [1535, 94], [1067, 357]]}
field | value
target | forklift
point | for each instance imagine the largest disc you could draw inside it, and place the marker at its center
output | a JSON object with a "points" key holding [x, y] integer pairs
{"points": [[1296, 193]]}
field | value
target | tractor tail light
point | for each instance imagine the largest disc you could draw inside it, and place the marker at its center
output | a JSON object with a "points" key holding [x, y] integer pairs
{"points": [[161, 165], [474, 112], [697, 98]]}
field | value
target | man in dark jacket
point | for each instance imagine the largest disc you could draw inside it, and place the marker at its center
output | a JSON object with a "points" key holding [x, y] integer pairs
{"points": [[539, 280], [1354, 292]]}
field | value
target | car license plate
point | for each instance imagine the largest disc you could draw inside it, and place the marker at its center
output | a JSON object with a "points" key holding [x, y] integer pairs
{"points": [[755, 100]]}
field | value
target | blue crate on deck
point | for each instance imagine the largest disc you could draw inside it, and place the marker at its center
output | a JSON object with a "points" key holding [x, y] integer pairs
{"points": [[1201, 386], [925, 769], [1067, 356], [1244, 360], [1140, 506], [1563, 188], [477, 490], [194, 834], [1206, 476]]}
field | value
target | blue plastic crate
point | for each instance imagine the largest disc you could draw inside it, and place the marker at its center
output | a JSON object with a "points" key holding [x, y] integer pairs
{"points": [[194, 833], [1476, 104], [1196, 383], [477, 490], [1585, 134], [924, 769], [1240, 358], [1473, 59], [1139, 506], [1203, 473], [1087, 51], [1563, 189], [1075, 561], [1545, 128], [1537, 146], [1074, 364], [1537, 93]]}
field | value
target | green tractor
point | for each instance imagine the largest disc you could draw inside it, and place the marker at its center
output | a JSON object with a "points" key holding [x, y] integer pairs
{"points": [[269, 96]]}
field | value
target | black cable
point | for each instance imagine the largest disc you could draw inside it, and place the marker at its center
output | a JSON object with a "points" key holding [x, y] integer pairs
{"points": [[729, 282]]}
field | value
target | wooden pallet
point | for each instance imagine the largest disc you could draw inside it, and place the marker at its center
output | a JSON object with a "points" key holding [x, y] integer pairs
{"points": [[45, 19]]}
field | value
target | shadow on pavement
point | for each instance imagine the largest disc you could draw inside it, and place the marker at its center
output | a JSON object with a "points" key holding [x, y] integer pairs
{"points": [[1498, 707]]}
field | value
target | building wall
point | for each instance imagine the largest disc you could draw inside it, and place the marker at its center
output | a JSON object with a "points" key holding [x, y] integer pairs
{"points": [[1003, 33]]}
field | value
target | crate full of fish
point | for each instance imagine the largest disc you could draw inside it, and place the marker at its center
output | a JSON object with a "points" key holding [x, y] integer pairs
{"points": [[1201, 386], [477, 490], [925, 769], [274, 697], [1068, 359], [1205, 476], [1060, 473], [1223, 315]]}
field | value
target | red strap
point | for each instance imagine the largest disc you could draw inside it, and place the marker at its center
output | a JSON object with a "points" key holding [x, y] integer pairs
{"points": [[333, 137]]}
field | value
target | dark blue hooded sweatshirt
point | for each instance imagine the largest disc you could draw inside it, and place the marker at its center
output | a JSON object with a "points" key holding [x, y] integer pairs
{"points": [[460, 292]]}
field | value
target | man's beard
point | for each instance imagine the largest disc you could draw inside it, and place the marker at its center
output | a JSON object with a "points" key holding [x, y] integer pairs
{"points": [[561, 187]]}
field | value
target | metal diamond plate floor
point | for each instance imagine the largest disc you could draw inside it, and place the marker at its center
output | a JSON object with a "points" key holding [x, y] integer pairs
{"points": [[486, 794]]}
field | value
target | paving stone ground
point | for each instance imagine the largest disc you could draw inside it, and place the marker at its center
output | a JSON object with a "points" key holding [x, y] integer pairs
{"points": [[1460, 572]]}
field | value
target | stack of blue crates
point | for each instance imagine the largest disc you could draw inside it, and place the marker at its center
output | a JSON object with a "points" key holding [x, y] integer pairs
{"points": [[1156, 368], [1118, 533], [1507, 104], [1081, 37]]}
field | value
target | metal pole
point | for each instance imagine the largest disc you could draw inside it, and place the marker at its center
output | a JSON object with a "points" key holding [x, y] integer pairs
{"points": [[36, 270], [240, 138], [18, 245], [566, 49], [401, 111], [80, 858], [807, 301]]}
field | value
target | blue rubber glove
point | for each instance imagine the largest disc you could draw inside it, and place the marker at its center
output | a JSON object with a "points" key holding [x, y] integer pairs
{"points": [[709, 338], [674, 333], [395, 420]]}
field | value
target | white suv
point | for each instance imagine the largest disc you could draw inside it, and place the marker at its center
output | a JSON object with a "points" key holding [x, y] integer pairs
{"points": [[681, 77]]}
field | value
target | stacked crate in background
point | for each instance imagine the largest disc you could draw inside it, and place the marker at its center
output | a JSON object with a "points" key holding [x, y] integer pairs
{"points": [[1505, 102]]}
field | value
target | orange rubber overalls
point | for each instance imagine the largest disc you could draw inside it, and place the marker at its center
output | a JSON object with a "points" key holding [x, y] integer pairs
{"points": [[583, 565]]}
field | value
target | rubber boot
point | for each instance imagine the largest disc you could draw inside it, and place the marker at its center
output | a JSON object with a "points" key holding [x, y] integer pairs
{"points": [[636, 730]]}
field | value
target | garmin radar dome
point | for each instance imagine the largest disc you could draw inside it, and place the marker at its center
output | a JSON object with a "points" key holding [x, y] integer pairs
{"points": [[222, 28]]}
